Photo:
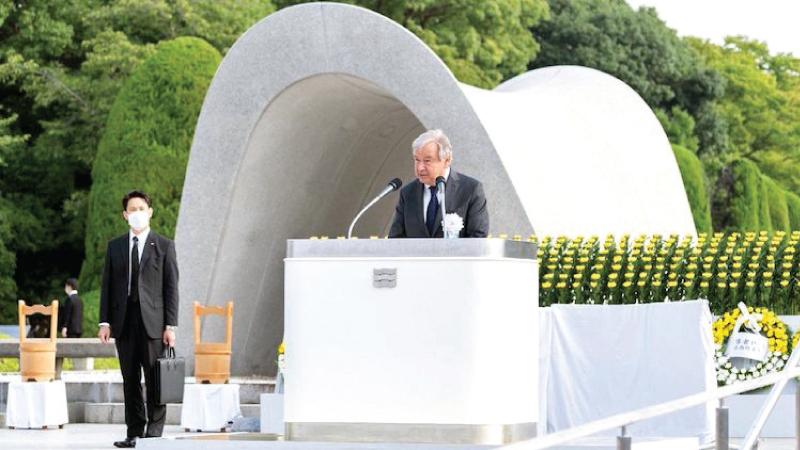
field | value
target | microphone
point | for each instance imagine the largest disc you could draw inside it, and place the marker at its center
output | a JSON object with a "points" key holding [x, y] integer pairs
{"points": [[391, 187]]}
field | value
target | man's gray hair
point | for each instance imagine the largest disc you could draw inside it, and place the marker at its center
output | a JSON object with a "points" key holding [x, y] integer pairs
{"points": [[439, 138]]}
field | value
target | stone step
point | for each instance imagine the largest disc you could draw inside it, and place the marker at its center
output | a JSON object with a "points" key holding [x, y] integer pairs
{"points": [[115, 412]]}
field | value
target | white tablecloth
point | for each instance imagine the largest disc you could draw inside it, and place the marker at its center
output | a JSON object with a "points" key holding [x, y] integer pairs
{"points": [[36, 405], [209, 407]]}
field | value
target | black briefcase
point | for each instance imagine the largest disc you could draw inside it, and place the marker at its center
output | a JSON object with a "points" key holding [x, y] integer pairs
{"points": [[169, 375]]}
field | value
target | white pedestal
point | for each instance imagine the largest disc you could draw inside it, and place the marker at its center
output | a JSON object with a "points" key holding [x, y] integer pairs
{"points": [[209, 407], [36, 405], [411, 340], [272, 413]]}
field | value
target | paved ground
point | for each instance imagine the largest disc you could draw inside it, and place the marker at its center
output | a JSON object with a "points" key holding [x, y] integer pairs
{"points": [[72, 436], [101, 437]]}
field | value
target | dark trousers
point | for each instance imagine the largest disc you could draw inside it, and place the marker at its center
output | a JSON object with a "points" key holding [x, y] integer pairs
{"points": [[138, 352]]}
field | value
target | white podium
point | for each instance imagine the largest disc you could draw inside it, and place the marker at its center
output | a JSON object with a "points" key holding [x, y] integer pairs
{"points": [[411, 340], [209, 407], [36, 405]]}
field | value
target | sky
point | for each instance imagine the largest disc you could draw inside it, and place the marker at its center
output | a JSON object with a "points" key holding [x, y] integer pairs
{"points": [[775, 21]]}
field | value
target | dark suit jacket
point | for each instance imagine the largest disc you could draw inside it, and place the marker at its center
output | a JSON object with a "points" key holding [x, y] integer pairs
{"points": [[158, 285], [73, 316], [463, 195]]}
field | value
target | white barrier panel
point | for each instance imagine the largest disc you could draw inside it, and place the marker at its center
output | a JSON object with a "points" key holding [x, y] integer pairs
{"points": [[606, 360]]}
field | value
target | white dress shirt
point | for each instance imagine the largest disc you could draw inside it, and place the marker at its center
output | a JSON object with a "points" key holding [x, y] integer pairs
{"points": [[426, 196], [142, 240]]}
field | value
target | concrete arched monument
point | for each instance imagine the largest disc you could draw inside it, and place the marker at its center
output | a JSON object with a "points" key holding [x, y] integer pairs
{"points": [[314, 109]]}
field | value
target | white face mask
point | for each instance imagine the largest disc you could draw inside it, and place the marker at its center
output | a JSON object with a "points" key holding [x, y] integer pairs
{"points": [[138, 220]]}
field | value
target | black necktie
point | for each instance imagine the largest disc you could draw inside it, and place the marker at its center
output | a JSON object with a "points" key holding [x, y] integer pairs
{"points": [[134, 296], [433, 206]]}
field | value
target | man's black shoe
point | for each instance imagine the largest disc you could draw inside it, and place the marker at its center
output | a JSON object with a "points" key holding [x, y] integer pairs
{"points": [[129, 442]]}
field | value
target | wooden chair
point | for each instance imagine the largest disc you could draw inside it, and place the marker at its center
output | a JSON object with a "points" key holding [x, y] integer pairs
{"points": [[212, 360], [37, 356]]}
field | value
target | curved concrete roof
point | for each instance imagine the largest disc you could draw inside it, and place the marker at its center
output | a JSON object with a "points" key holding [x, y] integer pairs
{"points": [[314, 109]]}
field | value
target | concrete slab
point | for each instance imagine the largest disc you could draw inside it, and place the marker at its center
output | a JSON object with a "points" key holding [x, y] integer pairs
{"points": [[101, 437], [72, 436]]}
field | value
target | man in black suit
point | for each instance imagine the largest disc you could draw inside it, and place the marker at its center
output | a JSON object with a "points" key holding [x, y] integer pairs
{"points": [[139, 308], [72, 319], [416, 216]]}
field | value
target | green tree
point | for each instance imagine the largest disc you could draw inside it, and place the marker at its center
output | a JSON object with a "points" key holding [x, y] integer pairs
{"points": [[639, 49], [758, 112], [61, 66], [10, 145], [146, 143], [679, 126], [482, 41]]}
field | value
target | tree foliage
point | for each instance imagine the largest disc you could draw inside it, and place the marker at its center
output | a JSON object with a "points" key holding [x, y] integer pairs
{"points": [[761, 112], [146, 143], [639, 49], [61, 66], [482, 41]]}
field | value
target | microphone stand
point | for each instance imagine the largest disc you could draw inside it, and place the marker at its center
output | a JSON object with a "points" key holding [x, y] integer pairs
{"points": [[440, 187], [393, 186], [352, 224]]}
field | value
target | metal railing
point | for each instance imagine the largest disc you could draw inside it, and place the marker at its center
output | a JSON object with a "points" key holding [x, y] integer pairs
{"points": [[623, 420]]}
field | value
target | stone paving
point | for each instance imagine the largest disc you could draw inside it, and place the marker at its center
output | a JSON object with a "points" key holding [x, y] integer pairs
{"points": [[101, 437], [82, 436]]}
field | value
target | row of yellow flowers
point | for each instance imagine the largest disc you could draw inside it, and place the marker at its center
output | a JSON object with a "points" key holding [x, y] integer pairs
{"points": [[726, 268]]}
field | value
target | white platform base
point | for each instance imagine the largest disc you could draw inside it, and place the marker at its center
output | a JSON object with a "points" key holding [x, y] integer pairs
{"points": [[272, 414], [248, 441], [742, 411], [36, 405], [209, 407], [610, 443]]}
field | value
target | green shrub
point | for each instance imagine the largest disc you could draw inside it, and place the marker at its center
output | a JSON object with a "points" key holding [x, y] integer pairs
{"points": [[146, 143], [775, 200], [744, 202], [793, 206], [91, 312], [694, 182], [8, 364], [764, 217]]}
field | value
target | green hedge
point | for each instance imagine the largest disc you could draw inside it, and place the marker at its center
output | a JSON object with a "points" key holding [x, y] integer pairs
{"points": [[793, 207], [776, 202], [760, 269], [764, 216], [745, 199], [146, 143], [91, 312], [694, 182]]}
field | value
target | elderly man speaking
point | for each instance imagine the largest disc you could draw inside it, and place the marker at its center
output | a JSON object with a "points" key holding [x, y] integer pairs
{"points": [[418, 213]]}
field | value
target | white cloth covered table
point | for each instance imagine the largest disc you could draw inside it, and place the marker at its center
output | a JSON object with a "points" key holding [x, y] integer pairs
{"points": [[601, 360], [209, 407], [36, 405]]}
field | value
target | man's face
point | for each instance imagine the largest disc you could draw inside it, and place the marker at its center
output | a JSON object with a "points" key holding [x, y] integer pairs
{"points": [[427, 165], [137, 204]]}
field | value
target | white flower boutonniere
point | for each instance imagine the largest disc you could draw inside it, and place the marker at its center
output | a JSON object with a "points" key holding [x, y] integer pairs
{"points": [[452, 225]]}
